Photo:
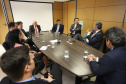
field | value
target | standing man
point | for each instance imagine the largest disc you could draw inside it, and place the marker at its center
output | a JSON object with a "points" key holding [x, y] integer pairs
{"points": [[58, 27], [111, 68], [34, 28], [75, 28]]}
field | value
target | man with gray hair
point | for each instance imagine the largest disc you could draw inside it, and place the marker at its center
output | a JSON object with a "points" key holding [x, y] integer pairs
{"points": [[94, 37], [111, 68], [34, 28]]}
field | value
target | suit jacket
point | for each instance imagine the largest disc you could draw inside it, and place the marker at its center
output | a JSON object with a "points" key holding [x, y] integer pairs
{"points": [[24, 32], [7, 40], [32, 30], [96, 40], [61, 29], [6, 80], [77, 29], [112, 67]]}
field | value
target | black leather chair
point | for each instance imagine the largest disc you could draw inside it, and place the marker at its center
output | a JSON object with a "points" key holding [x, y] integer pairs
{"points": [[6, 46]]}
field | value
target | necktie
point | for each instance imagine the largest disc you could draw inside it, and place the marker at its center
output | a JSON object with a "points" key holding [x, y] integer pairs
{"points": [[36, 30], [93, 34]]}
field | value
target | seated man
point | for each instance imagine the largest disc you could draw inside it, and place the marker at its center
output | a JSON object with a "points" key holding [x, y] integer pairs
{"points": [[94, 38], [111, 68], [75, 28], [18, 65], [34, 28], [20, 27], [11, 27], [26, 38], [58, 27]]}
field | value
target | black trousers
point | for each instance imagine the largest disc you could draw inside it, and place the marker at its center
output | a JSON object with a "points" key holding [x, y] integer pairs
{"points": [[29, 41], [90, 82], [78, 37], [56, 72]]}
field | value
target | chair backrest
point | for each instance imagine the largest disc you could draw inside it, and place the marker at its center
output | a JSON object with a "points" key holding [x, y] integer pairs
{"points": [[6, 46], [85, 35], [101, 48]]}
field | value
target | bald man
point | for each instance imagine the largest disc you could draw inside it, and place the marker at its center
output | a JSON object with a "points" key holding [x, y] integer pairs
{"points": [[34, 28]]}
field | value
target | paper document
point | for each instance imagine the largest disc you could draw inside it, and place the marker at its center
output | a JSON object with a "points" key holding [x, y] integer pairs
{"points": [[43, 48], [54, 41]]}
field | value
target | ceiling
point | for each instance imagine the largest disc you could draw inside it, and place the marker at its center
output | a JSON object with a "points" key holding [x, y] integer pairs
{"points": [[46, 0]]}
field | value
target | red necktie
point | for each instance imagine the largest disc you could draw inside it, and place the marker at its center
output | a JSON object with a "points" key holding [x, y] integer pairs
{"points": [[36, 30]]}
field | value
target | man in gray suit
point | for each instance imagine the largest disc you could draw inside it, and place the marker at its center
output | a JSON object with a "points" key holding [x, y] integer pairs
{"points": [[75, 28]]}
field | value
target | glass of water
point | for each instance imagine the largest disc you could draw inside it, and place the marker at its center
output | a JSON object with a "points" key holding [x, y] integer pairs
{"points": [[43, 39], [69, 39], [85, 54], [53, 44], [37, 35], [66, 54]]}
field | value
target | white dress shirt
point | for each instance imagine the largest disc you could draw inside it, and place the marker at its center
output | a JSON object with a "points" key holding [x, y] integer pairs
{"points": [[74, 28], [58, 26]]}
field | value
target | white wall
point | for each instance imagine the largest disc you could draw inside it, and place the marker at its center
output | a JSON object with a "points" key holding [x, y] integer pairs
{"points": [[29, 11]]}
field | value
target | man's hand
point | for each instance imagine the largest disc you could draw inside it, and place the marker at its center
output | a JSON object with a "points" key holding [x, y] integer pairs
{"points": [[27, 45], [88, 32], [94, 58], [91, 57], [49, 79]]}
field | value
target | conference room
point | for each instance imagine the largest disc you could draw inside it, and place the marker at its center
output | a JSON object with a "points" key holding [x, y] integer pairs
{"points": [[62, 41]]}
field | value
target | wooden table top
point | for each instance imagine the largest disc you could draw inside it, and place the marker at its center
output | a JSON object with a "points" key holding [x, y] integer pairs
{"points": [[75, 63]]}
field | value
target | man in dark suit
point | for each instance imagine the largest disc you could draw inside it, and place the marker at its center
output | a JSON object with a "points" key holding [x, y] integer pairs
{"points": [[20, 27], [34, 28], [11, 27], [18, 65], [111, 68], [75, 28], [26, 38], [58, 27], [94, 38]]}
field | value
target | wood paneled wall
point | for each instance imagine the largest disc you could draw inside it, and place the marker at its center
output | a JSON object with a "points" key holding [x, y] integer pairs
{"points": [[68, 13], [109, 12], [9, 13], [65, 17], [71, 13], [3, 28], [57, 12]]}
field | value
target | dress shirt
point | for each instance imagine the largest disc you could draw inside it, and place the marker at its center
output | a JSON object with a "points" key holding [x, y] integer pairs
{"points": [[74, 28], [92, 35], [58, 26]]}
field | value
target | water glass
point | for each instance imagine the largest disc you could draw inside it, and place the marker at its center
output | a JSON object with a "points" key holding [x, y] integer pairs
{"points": [[66, 54], [43, 39], [53, 44]]}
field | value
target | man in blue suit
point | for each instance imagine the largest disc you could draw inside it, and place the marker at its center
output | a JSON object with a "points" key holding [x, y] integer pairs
{"points": [[111, 68]]}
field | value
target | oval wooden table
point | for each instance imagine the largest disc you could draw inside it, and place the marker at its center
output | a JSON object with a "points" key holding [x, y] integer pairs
{"points": [[75, 63]]}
